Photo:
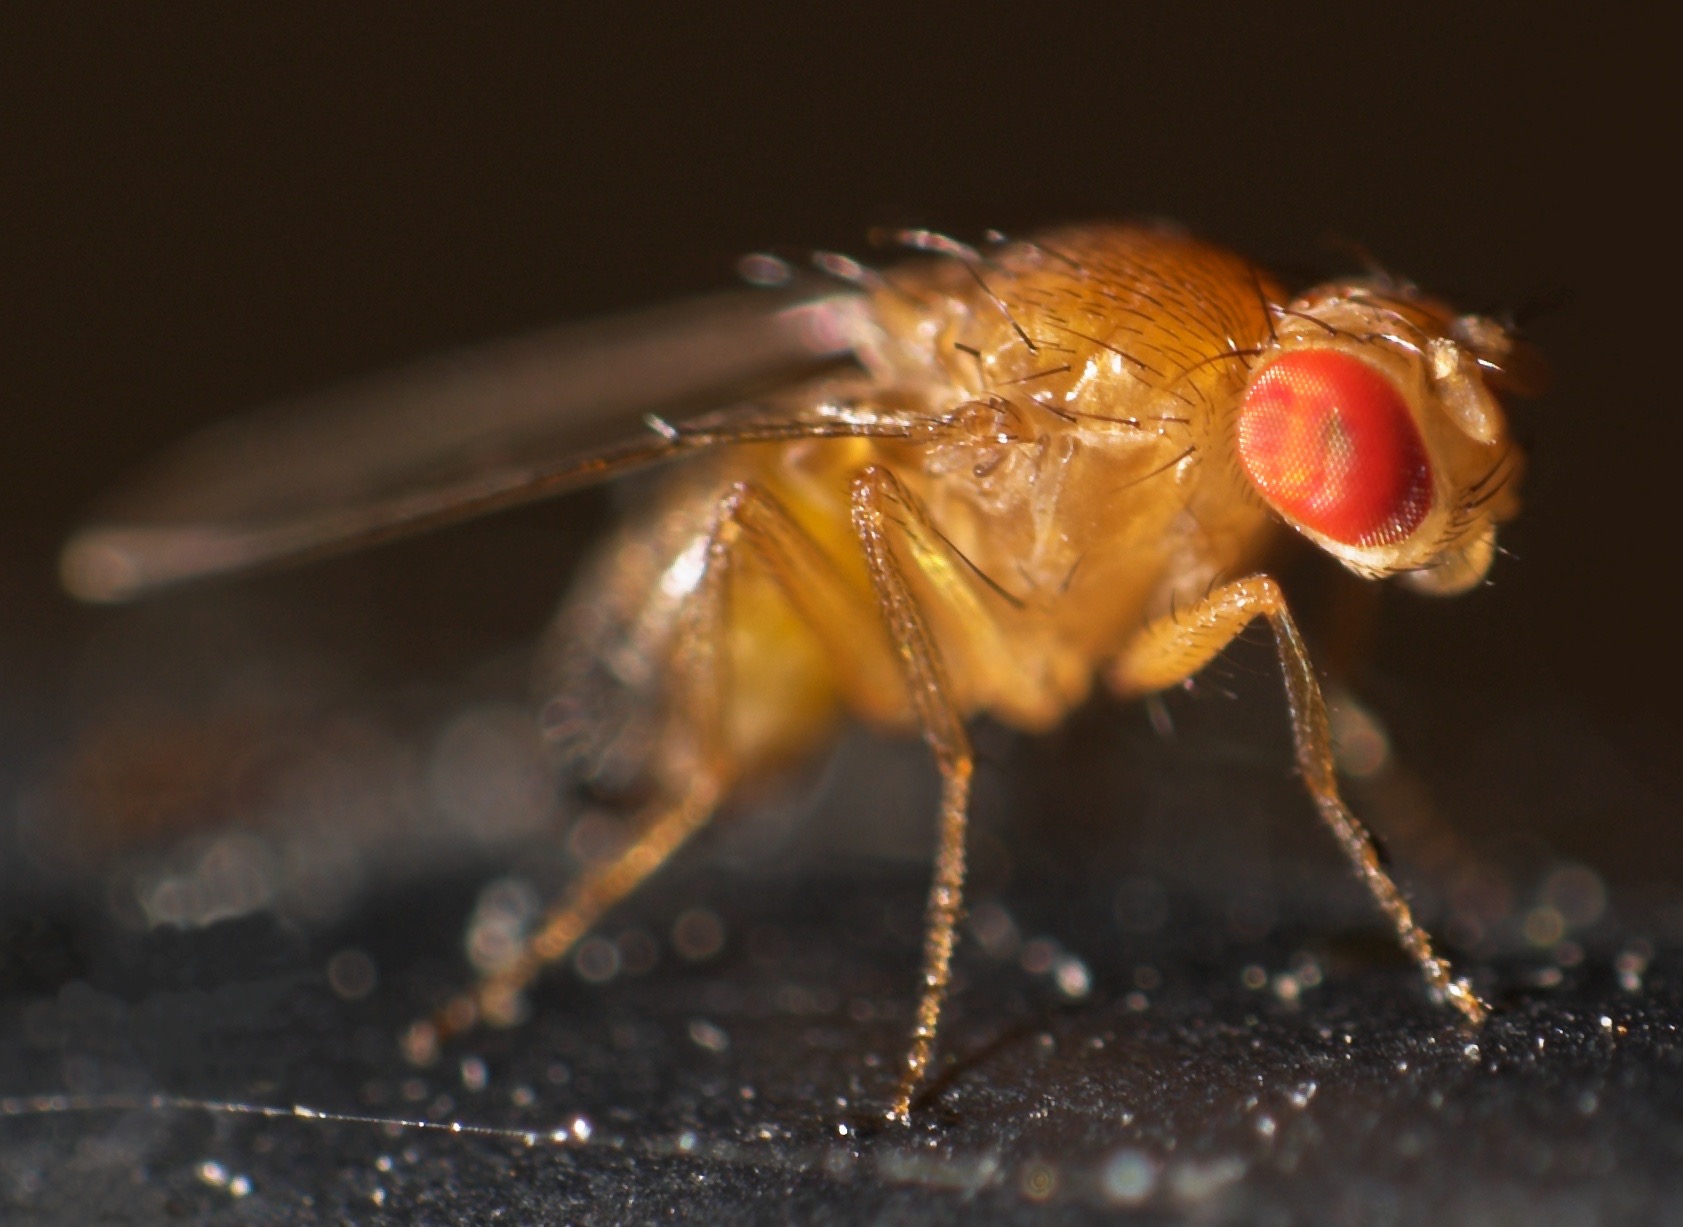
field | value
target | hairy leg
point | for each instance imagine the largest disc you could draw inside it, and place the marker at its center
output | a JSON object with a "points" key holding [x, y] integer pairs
{"points": [[1171, 649], [878, 504], [749, 527]]}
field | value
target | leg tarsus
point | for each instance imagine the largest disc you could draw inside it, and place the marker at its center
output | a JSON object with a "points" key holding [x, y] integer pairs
{"points": [[946, 901], [496, 998]]}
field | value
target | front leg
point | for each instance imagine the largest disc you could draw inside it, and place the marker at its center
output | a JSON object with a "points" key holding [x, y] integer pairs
{"points": [[1169, 650]]}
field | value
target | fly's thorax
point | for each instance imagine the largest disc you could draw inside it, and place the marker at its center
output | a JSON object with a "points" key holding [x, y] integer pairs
{"points": [[1370, 424], [1084, 312], [1084, 381]]}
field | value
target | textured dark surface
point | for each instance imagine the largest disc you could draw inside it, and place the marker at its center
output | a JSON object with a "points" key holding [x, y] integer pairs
{"points": [[1358, 1103], [1239, 1041]]}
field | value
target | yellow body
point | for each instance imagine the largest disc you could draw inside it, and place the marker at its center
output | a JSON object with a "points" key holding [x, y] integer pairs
{"points": [[1068, 414], [1079, 487]]}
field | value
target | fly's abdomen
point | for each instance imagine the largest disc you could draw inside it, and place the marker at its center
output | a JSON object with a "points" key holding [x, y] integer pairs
{"points": [[616, 664]]}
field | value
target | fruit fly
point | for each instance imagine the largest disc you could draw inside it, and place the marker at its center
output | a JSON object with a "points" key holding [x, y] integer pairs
{"points": [[988, 480]]}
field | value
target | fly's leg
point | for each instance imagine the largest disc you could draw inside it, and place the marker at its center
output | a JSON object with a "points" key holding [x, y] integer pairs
{"points": [[1172, 649], [666, 825], [748, 526], [878, 501]]}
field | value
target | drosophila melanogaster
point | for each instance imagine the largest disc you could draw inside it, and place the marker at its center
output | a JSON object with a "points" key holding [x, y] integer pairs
{"points": [[984, 481]]}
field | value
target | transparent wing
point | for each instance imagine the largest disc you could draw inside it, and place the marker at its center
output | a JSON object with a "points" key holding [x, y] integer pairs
{"points": [[450, 438]]}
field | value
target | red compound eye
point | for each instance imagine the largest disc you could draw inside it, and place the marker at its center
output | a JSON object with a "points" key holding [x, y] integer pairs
{"points": [[1330, 443]]}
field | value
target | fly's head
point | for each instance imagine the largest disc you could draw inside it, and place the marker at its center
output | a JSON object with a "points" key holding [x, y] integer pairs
{"points": [[1372, 425]]}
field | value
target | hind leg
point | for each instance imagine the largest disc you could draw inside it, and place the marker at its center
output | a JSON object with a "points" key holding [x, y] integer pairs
{"points": [[749, 528]]}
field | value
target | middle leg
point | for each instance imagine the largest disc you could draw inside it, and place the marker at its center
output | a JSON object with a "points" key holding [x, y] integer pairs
{"points": [[878, 502]]}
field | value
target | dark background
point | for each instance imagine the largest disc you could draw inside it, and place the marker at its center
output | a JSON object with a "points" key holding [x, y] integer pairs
{"points": [[203, 210]]}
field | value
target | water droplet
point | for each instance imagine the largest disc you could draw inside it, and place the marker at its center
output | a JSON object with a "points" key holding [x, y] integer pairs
{"points": [[698, 934], [1128, 1177], [705, 1035], [474, 1074], [1072, 977]]}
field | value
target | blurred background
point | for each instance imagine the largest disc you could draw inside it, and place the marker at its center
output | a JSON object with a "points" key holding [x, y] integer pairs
{"points": [[206, 209]]}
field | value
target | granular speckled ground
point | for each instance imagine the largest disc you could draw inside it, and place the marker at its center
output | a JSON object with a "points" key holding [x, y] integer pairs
{"points": [[1126, 1044]]}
